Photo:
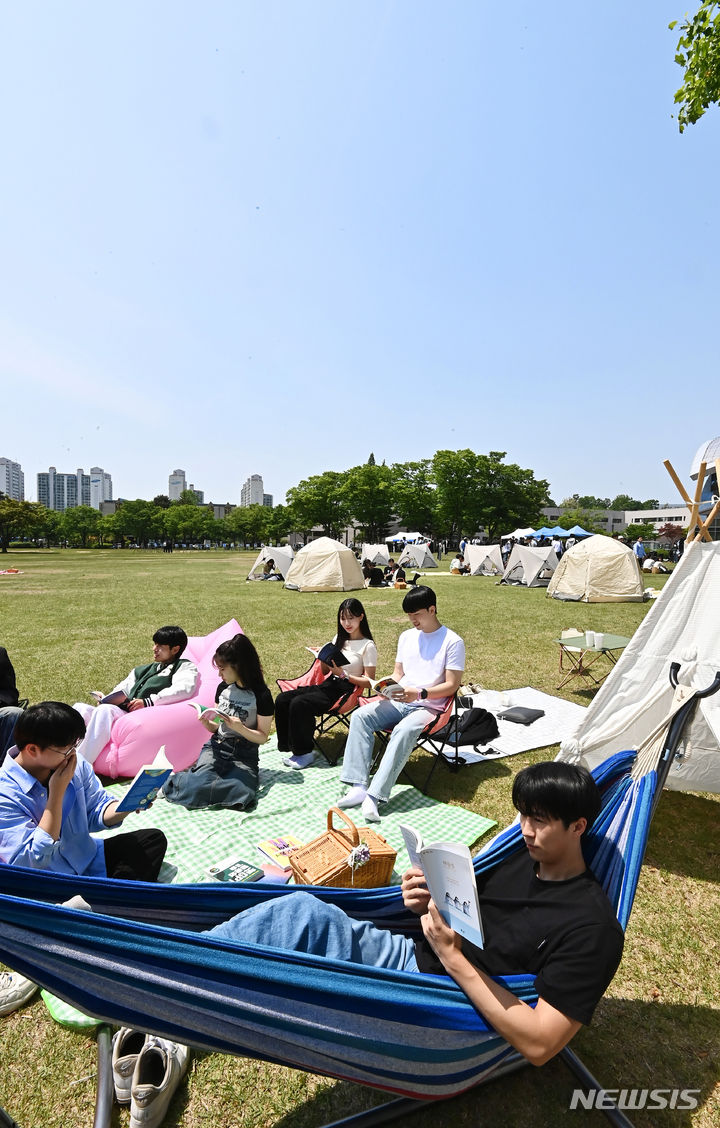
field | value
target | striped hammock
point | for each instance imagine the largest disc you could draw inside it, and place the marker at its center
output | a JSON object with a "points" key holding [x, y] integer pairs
{"points": [[138, 960]]}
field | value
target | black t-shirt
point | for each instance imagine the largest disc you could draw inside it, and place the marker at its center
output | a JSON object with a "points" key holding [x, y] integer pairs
{"points": [[565, 933]]}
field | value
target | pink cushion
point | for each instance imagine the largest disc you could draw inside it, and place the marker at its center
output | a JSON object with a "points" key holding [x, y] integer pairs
{"points": [[137, 736]]}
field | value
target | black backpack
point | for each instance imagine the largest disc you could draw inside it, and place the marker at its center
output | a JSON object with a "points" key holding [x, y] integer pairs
{"points": [[474, 726]]}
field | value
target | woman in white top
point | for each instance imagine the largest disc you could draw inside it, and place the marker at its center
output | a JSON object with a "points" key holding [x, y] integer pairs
{"points": [[297, 709]]}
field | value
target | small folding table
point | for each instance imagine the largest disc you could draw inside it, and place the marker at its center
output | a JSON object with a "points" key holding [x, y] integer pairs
{"points": [[582, 653]]}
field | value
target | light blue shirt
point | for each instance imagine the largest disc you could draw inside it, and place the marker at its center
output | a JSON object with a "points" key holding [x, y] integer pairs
{"points": [[23, 800]]}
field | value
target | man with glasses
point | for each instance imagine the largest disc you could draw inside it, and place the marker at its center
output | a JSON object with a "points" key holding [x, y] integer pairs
{"points": [[51, 802]]}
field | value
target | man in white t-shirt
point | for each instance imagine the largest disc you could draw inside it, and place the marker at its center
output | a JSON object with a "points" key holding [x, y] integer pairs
{"points": [[428, 666]]}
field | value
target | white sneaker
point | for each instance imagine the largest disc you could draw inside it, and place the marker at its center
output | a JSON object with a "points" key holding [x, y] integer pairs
{"points": [[126, 1046], [15, 991], [158, 1071]]}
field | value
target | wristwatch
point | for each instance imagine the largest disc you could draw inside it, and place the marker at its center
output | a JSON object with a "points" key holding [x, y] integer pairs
{"points": [[423, 694]]}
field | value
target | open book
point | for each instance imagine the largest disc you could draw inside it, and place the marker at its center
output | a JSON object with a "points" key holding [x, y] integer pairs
{"points": [[276, 850], [211, 712], [330, 654], [387, 686], [450, 878], [146, 784], [117, 697]]}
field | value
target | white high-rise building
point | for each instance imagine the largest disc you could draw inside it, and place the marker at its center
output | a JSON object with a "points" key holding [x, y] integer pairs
{"points": [[176, 484], [253, 493], [63, 491], [100, 486], [12, 479]]}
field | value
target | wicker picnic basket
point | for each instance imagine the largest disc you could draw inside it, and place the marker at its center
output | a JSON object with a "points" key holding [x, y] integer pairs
{"points": [[327, 859]]}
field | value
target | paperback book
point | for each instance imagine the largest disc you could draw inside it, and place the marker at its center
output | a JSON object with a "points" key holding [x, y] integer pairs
{"points": [[450, 877], [145, 786]]}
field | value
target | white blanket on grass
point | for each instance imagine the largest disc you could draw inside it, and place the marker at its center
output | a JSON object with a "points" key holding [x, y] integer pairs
{"points": [[560, 721]]}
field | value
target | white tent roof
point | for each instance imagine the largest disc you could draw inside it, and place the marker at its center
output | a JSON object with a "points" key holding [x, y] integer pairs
{"points": [[681, 626], [282, 555], [484, 559], [531, 567], [598, 569], [417, 556], [375, 553], [325, 565], [518, 534]]}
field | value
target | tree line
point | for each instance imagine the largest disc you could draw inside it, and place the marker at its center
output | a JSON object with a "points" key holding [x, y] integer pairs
{"points": [[451, 494]]}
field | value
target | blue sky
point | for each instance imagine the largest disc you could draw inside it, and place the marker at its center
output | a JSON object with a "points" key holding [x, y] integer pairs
{"points": [[271, 237]]}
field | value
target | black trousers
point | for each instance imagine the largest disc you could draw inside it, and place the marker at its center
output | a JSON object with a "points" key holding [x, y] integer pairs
{"points": [[136, 855], [296, 710]]}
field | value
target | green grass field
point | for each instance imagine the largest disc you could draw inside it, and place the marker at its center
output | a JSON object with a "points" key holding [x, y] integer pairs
{"points": [[79, 620]]}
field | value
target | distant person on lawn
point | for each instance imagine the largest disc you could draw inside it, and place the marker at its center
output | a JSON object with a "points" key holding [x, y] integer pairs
{"points": [[51, 801], [169, 678]]}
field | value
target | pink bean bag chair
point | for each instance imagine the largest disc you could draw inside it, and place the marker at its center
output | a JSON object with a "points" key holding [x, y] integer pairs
{"points": [[137, 736]]}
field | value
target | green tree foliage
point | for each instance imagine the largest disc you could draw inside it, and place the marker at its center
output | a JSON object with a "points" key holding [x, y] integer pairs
{"points": [[80, 523], [624, 501], [368, 493], [249, 524], [319, 501], [140, 520], [279, 524], [458, 498], [644, 529], [414, 495], [587, 501], [698, 52], [187, 497], [18, 519], [162, 501], [371, 459], [588, 519], [511, 497]]}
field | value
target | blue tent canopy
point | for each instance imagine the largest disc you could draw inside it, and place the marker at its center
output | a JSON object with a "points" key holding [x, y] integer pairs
{"points": [[578, 531]]}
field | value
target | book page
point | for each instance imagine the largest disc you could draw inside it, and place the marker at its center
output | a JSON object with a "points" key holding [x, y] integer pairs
{"points": [[450, 878]]}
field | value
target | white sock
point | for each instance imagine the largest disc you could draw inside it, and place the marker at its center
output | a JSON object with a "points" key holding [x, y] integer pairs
{"points": [[354, 798], [369, 809]]}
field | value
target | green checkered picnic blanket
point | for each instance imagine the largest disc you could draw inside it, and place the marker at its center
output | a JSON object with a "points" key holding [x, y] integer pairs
{"points": [[291, 802]]}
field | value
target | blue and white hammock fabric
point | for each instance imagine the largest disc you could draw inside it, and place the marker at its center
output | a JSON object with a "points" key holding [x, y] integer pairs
{"points": [[138, 960]]}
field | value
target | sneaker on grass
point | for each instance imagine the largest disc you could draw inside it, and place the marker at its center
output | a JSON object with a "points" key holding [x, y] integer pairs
{"points": [[15, 991], [159, 1070]]}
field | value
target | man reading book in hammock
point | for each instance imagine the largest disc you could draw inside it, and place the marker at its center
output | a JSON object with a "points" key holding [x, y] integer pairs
{"points": [[543, 914]]}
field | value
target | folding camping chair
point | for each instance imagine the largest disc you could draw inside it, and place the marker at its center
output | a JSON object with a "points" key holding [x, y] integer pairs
{"points": [[338, 717], [429, 740]]}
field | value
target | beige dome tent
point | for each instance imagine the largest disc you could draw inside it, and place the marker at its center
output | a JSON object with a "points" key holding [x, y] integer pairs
{"points": [[325, 565], [484, 559], [416, 556], [633, 704], [598, 570], [375, 553]]}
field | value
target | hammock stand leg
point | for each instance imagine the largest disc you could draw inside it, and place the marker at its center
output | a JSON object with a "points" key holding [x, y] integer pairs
{"points": [[7, 1121], [105, 1089], [574, 1064]]}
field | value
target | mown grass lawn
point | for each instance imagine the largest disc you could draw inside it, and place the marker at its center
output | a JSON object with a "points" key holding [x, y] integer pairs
{"points": [[79, 620]]}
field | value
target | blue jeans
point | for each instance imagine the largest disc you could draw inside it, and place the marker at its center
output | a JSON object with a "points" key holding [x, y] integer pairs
{"points": [[300, 922], [406, 722]]}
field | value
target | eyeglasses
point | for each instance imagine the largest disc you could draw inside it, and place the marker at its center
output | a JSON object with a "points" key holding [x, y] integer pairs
{"points": [[67, 752]]}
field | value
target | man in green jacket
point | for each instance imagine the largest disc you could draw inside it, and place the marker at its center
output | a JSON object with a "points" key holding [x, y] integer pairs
{"points": [[169, 678]]}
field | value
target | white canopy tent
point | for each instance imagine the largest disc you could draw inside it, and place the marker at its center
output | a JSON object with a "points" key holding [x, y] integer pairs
{"points": [[325, 565], [634, 702], [409, 538], [518, 534], [417, 556], [484, 559], [530, 567], [282, 555], [598, 570], [375, 553]]}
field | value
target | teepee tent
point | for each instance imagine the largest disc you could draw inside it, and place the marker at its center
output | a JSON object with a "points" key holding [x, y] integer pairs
{"points": [[531, 567], [598, 569], [484, 559], [325, 565], [375, 553], [283, 557], [635, 701], [417, 556]]}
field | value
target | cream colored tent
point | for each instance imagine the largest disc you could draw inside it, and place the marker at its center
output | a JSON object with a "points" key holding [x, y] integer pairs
{"points": [[598, 570], [283, 557], [375, 553], [633, 703], [325, 565], [484, 559], [416, 556], [530, 567]]}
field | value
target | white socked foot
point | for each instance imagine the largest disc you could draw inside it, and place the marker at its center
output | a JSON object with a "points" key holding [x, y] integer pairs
{"points": [[370, 810], [355, 796], [299, 762]]}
